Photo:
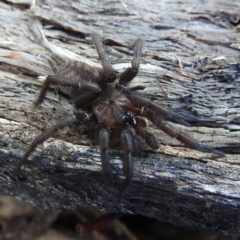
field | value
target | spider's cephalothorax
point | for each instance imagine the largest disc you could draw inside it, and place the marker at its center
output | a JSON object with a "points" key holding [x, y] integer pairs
{"points": [[117, 111]]}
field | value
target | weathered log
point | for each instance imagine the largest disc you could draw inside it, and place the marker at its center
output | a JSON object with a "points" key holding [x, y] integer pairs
{"points": [[190, 64]]}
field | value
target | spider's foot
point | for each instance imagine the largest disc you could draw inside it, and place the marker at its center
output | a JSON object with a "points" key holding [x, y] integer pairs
{"points": [[204, 148], [219, 153]]}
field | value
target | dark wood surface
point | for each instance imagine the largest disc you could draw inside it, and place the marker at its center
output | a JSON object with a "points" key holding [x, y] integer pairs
{"points": [[190, 63]]}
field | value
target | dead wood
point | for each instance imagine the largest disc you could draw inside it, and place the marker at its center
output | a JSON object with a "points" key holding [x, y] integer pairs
{"points": [[190, 64]]}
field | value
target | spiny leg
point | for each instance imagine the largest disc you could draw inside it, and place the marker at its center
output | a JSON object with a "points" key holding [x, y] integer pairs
{"points": [[127, 146], [70, 119], [107, 67], [188, 141], [131, 72], [55, 80]]}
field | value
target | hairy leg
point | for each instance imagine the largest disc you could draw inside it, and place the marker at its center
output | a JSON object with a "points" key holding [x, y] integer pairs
{"points": [[51, 79], [139, 125], [188, 141], [131, 72], [141, 101], [107, 67], [127, 146], [68, 120], [154, 112], [135, 143], [104, 147], [148, 137]]}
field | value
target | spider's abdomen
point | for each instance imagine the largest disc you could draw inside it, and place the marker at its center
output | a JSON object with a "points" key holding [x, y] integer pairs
{"points": [[110, 108], [77, 72]]}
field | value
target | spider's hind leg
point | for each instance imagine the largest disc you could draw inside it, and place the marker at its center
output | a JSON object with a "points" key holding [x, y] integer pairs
{"points": [[153, 112], [172, 132], [55, 80]]}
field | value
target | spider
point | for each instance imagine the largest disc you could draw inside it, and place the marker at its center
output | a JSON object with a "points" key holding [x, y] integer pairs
{"points": [[117, 112]]}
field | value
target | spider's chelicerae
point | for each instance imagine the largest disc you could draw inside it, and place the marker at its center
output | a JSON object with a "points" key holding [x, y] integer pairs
{"points": [[117, 111]]}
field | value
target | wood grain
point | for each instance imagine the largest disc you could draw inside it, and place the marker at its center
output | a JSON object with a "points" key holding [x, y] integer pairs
{"points": [[190, 63]]}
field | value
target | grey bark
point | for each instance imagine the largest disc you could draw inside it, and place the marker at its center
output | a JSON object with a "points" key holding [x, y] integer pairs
{"points": [[190, 64]]}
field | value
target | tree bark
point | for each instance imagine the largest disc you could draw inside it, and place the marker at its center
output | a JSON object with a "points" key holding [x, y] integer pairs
{"points": [[190, 64]]}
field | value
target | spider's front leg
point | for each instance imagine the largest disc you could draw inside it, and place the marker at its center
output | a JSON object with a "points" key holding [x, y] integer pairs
{"points": [[139, 125], [128, 144], [107, 67], [103, 140], [78, 116], [131, 72], [55, 80]]}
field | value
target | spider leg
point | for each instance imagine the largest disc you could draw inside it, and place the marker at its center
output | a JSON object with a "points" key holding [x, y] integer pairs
{"points": [[104, 147], [133, 134], [131, 72], [150, 110], [68, 120], [107, 67], [51, 79], [127, 146], [192, 143], [148, 137], [141, 101], [115, 137], [84, 98]]}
